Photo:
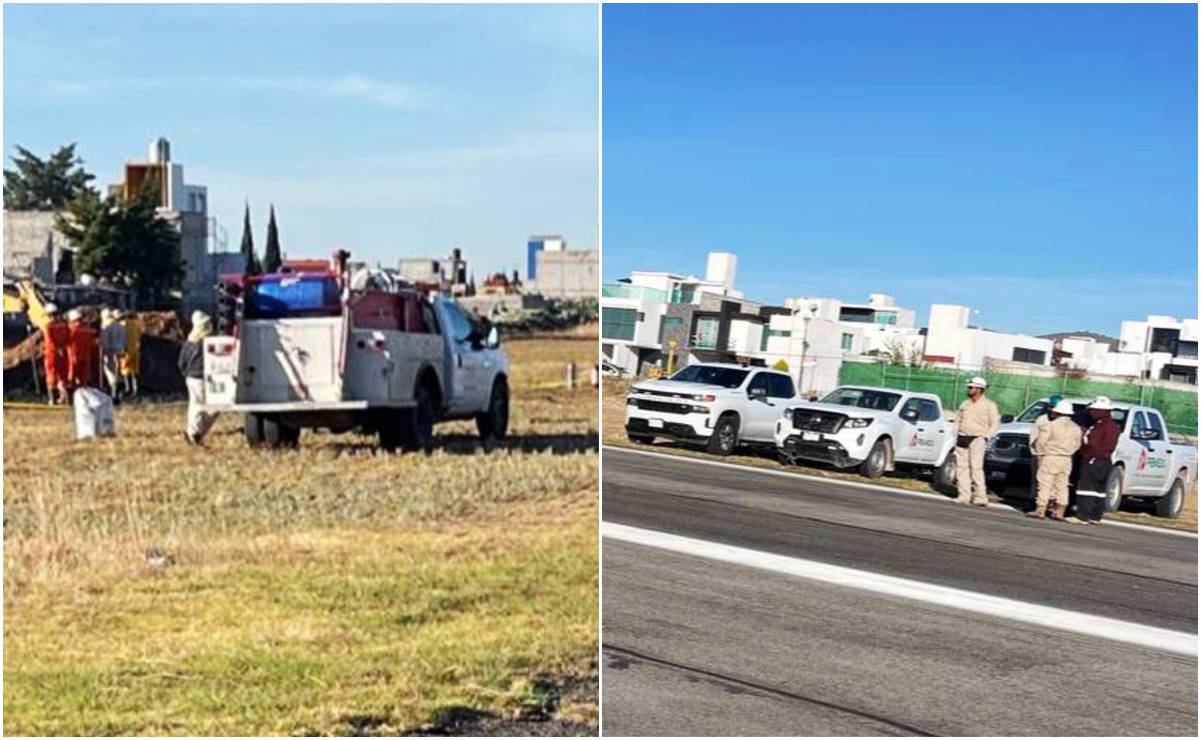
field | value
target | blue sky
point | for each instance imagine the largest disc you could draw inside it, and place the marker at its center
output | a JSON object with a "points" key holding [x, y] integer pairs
{"points": [[1038, 163], [390, 130]]}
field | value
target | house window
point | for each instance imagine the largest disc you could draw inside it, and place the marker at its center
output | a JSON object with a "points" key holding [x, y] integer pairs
{"points": [[772, 333], [1186, 350], [885, 317], [847, 339], [618, 323], [706, 333], [670, 327], [1164, 340], [1033, 356]]}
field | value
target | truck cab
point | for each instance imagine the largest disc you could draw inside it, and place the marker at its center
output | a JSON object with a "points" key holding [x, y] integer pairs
{"points": [[720, 405], [873, 429], [1147, 463], [309, 352]]}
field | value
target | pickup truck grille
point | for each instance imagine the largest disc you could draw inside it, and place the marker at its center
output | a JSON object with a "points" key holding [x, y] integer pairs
{"points": [[817, 421], [666, 394], [1011, 447], [663, 407]]}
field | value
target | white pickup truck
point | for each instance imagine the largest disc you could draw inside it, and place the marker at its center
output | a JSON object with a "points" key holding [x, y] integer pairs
{"points": [[718, 404], [874, 429], [1147, 463], [310, 352]]}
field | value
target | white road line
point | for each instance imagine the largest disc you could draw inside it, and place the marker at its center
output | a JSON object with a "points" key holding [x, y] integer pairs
{"points": [[862, 486], [995, 606]]}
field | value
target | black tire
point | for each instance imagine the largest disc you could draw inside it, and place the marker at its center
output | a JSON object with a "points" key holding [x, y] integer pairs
{"points": [[640, 439], [417, 427], [252, 426], [725, 436], [390, 428], [1113, 489], [944, 475], [876, 461], [493, 424], [1171, 503], [291, 436], [274, 434]]}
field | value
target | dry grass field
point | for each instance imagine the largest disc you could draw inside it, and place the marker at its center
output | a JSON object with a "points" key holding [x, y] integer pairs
{"points": [[613, 433], [328, 590]]}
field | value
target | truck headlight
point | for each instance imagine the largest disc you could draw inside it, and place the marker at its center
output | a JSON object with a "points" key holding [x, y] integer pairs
{"points": [[632, 402], [859, 423], [703, 397]]}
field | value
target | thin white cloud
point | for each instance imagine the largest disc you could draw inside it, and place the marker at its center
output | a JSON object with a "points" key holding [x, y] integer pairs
{"points": [[371, 90]]}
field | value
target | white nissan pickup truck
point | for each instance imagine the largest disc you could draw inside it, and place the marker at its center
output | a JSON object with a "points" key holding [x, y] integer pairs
{"points": [[1147, 463], [719, 405], [873, 429]]}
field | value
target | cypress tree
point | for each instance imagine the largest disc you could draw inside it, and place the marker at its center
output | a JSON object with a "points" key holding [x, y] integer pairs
{"points": [[272, 258], [252, 262]]}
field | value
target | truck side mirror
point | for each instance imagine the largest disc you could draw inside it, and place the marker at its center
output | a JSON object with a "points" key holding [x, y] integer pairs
{"points": [[493, 340], [756, 393], [910, 415], [1006, 418]]}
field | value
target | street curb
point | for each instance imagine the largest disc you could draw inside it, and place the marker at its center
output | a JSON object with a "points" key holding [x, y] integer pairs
{"points": [[855, 484]]}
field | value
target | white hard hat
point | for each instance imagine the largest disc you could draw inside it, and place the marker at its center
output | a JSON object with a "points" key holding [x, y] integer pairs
{"points": [[1102, 403], [1064, 407], [977, 382], [106, 313], [199, 317], [74, 314], [50, 309]]}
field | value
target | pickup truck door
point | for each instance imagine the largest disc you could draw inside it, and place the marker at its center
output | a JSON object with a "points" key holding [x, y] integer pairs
{"points": [[1154, 453], [913, 435], [467, 363], [761, 410]]}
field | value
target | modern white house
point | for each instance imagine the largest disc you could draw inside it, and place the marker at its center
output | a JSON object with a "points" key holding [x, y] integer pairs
{"points": [[950, 340], [1167, 347]]}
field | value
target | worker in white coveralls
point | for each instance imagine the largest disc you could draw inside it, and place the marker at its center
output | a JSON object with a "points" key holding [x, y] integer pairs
{"points": [[977, 421], [191, 365], [1053, 445]]}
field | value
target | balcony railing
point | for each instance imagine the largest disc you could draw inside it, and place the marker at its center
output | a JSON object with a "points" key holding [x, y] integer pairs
{"points": [[633, 292]]}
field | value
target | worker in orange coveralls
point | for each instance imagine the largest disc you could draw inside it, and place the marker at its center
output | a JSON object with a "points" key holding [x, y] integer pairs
{"points": [[83, 351], [57, 337]]}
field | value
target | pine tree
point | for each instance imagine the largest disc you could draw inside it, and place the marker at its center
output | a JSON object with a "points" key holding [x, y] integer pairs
{"points": [[252, 261], [272, 258], [45, 185]]}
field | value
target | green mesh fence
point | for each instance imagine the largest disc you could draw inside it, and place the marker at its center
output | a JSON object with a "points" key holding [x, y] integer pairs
{"points": [[1014, 392]]}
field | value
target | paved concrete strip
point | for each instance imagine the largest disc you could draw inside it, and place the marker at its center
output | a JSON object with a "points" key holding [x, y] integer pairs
{"points": [[1112, 629], [862, 486]]}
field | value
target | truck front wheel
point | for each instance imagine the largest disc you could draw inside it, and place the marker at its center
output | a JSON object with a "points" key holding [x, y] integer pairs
{"points": [[725, 436], [276, 434], [493, 424], [877, 460], [944, 475]]}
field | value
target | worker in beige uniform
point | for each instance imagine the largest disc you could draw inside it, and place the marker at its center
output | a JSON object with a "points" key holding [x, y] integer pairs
{"points": [[978, 420], [1053, 445]]}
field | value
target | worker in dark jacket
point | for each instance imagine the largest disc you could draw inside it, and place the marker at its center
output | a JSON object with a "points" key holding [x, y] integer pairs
{"points": [[1100, 440], [191, 365]]}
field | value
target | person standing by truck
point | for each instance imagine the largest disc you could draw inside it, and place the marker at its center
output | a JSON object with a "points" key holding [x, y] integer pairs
{"points": [[978, 420], [83, 351], [57, 338], [191, 365], [112, 346], [1100, 440], [1053, 444]]}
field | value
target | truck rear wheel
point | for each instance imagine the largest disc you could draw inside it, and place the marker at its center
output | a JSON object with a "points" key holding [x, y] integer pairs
{"points": [[1113, 489], [493, 424], [417, 425], [944, 475], [252, 426], [277, 435], [1171, 503]]}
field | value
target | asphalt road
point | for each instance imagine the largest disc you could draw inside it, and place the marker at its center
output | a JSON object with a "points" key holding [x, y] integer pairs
{"points": [[696, 646]]}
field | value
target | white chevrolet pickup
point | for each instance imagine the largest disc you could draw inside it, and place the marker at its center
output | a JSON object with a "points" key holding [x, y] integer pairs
{"points": [[1147, 463], [717, 404], [874, 429]]}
